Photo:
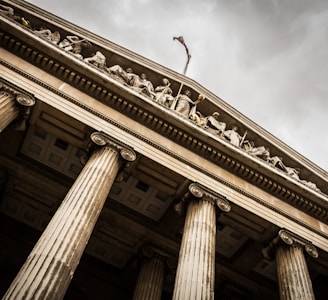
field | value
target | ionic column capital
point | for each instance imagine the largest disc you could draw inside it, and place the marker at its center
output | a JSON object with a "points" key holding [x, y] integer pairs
{"points": [[21, 97], [5, 88], [25, 100], [15, 104], [101, 139], [199, 191], [286, 237], [151, 251]]}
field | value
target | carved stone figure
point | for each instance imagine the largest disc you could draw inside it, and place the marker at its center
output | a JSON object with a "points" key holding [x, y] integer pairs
{"points": [[164, 93], [9, 12], [74, 44], [292, 172], [118, 73], [182, 103], [276, 161], [130, 76], [99, 60], [213, 125], [142, 85], [25, 22], [233, 136], [194, 114], [260, 151], [295, 172], [47, 34], [196, 117], [311, 185]]}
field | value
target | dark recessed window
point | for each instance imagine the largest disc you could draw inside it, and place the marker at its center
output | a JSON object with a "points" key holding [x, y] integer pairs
{"points": [[142, 186], [61, 144]]}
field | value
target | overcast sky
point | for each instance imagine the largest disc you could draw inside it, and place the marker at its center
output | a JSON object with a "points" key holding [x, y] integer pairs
{"points": [[266, 58]]}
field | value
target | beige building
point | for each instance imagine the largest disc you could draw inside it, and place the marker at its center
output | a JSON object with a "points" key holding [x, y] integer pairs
{"points": [[117, 184]]}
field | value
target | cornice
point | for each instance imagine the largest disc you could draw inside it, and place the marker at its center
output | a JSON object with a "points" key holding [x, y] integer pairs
{"points": [[150, 114]]}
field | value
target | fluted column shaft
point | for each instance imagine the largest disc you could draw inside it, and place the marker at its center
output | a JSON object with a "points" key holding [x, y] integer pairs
{"points": [[150, 280], [196, 266], [8, 109], [50, 267], [293, 275]]}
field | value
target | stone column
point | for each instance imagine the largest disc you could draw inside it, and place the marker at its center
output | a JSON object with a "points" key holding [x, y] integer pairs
{"points": [[9, 110], [196, 267], [293, 275], [151, 276], [50, 267]]}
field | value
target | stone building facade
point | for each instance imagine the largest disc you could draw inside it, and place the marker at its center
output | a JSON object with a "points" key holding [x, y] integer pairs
{"points": [[122, 179]]}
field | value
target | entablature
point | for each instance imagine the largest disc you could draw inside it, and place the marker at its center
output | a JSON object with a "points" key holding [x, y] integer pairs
{"points": [[271, 174]]}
